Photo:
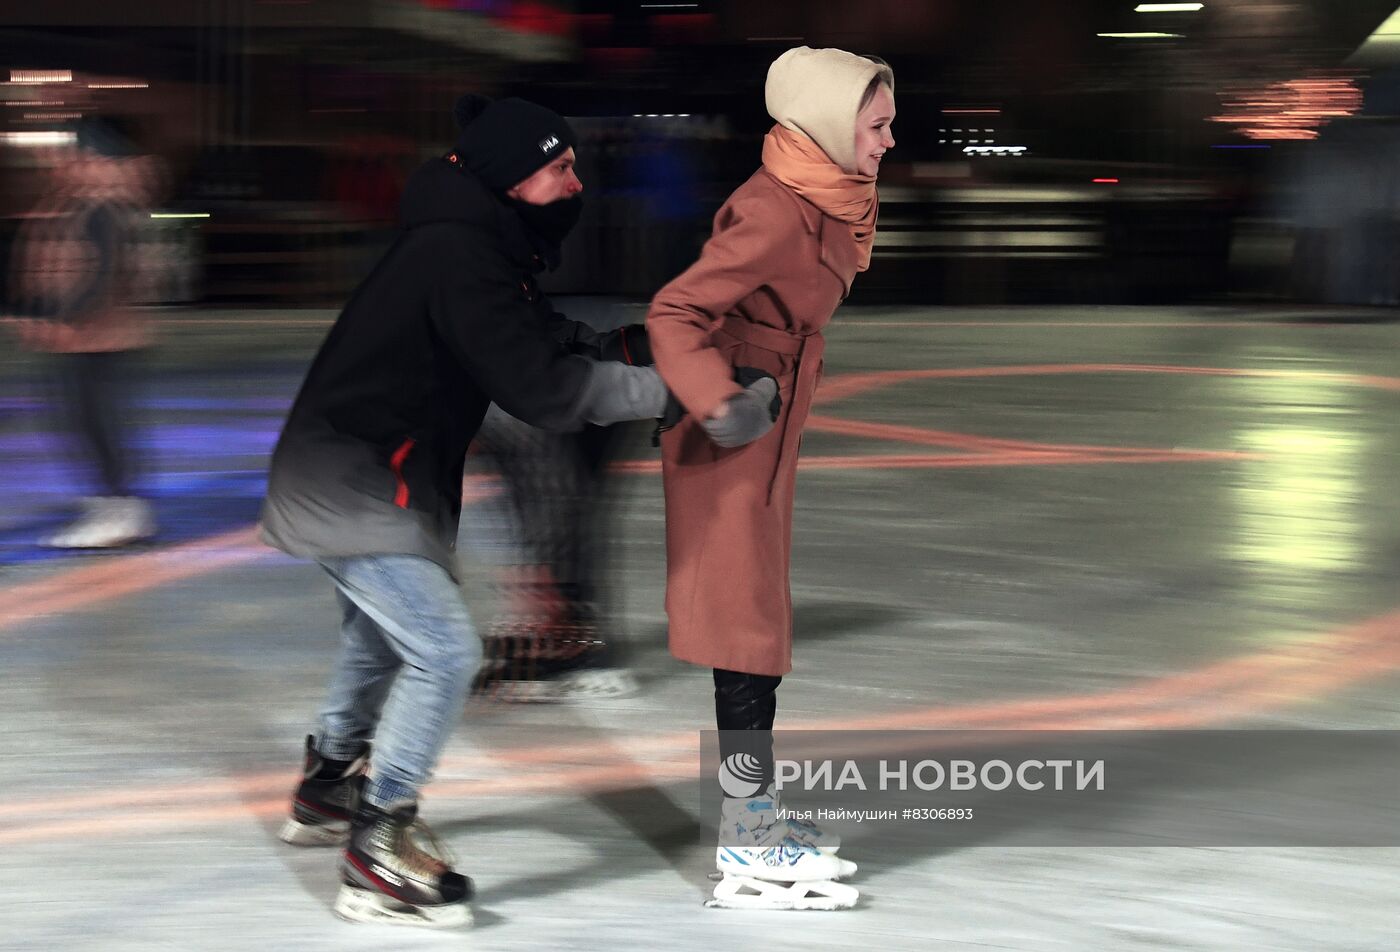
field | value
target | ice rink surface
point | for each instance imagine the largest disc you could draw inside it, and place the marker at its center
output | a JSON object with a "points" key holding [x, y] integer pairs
{"points": [[1078, 518]]}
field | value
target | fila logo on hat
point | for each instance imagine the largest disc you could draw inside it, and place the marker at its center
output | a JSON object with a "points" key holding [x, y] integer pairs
{"points": [[548, 144]]}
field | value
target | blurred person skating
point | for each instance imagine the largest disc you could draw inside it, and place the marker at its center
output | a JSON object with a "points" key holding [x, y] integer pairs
{"points": [[558, 636], [367, 480], [555, 638], [75, 273], [784, 251]]}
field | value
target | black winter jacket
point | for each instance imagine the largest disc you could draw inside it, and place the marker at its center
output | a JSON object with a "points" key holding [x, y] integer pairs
{"points": [[450, 320]]}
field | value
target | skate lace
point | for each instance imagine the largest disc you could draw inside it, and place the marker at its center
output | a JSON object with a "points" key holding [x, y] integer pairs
{"points": [[426, 854], [803, 831], [790, 852]]}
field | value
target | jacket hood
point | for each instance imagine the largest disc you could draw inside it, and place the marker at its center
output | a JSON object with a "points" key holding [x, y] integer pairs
{"points": [[439, 192]]}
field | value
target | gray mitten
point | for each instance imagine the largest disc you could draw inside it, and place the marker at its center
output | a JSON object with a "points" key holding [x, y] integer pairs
{"points": [[749, 415]]}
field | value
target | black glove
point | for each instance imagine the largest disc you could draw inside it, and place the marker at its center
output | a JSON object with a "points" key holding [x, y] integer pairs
{"points": [[673, 413], [749, 415], [628, 344], [744, 376]]}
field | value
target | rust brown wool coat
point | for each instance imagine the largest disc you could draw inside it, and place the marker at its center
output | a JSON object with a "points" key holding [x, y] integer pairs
{"points": [[767, 282]]}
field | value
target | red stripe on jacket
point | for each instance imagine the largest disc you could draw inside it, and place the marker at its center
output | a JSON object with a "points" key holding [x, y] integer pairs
{"points": [[396, 464]]}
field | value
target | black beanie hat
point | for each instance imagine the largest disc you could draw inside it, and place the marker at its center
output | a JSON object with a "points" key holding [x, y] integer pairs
{"points": [[505, 141]]}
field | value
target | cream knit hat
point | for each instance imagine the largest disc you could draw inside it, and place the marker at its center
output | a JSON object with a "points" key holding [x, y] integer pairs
{"points": [[817, 93]]}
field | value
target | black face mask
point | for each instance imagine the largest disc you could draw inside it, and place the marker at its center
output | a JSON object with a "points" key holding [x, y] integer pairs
{"points": [[549, 225]]}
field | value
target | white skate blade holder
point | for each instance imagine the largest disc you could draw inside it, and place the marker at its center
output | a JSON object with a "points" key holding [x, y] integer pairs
{"points": [[601, 684], [746, 892], [365, 905]]}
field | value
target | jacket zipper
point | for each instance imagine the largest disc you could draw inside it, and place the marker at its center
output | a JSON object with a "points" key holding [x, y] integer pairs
{"points": [[396, 466]]}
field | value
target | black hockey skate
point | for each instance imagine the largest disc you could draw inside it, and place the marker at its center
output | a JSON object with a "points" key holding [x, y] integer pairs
{"points": [[550, 663], [326, 799], [389, 878]]}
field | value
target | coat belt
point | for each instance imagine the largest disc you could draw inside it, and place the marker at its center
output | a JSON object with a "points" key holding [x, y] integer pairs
{"points": [[775, 339], [808, 350]]}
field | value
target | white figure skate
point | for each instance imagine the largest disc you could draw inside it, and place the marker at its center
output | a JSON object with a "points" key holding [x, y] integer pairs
{"points": [[763, 866], [108, 522], [808, 833], [805, 831]]}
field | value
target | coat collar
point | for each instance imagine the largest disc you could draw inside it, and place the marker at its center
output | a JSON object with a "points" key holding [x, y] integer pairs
{"points": [[811, 215], [836, 248]]}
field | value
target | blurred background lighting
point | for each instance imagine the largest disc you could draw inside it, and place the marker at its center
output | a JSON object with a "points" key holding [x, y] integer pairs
{"points": [[1293, 109], [45, 138], [1382, 47], [38, 76]]}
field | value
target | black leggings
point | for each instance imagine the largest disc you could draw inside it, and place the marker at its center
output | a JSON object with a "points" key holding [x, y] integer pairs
{"points": [[744, 708], [93, 395]]}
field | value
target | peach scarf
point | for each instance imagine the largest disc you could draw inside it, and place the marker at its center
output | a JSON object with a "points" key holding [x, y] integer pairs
{"points": [[801, 165]]}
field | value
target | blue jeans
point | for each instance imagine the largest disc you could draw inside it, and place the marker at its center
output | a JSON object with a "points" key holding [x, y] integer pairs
{"points": [[408, 653]]}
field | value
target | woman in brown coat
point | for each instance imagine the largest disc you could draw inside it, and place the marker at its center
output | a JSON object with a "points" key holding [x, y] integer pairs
{"points": [[785, 249]]}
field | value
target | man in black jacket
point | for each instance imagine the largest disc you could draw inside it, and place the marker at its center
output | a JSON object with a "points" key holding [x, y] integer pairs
{"points": [[367, 480]]}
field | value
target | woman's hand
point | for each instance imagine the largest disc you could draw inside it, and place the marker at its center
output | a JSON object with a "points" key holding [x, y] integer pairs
{"points": [[746, 416]]}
